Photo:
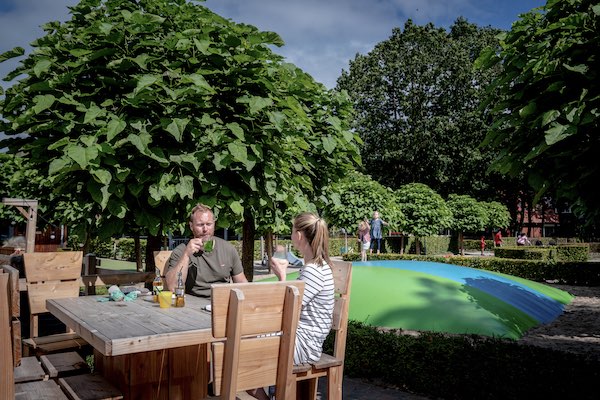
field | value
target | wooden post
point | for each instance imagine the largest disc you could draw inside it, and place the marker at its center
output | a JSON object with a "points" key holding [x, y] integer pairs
{"points": [[30, 214]]}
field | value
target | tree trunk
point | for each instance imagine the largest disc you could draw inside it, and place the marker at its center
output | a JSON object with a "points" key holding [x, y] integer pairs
{"points": [[543, 217], [269, 248], [248, 232], [417, 245], [461, 244], [402, 244], [137, 250]]}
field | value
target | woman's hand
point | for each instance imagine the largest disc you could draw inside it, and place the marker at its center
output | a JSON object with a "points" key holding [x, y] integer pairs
{"points": [[279, 267]]}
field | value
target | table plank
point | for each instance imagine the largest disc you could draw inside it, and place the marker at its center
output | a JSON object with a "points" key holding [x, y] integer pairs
{"points": [[117, 328]]}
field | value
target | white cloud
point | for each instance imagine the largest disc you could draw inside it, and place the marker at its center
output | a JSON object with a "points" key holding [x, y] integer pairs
{"points": [[321, 36]]}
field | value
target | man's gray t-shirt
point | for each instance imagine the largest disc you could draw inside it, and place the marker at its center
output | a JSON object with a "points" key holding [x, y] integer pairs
{"points": [[205, 269]]}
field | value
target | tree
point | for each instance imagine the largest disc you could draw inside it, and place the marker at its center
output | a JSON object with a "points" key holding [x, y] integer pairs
{"points": [[547, 120], [356, 197], [425, 211], [498, 216], [468, 215], [142, 109], [416, 97]]}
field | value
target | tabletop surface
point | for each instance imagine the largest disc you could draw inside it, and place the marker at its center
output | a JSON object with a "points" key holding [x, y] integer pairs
{"points": [[117, 328]]}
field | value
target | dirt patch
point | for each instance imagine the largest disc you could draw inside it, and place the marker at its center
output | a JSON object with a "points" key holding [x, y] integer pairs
{"points": [[577, 329]]}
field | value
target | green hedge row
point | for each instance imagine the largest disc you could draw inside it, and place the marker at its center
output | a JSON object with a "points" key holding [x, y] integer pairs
{"points": [[570, 273], [467, 366], [563, 252], [475, 244]]}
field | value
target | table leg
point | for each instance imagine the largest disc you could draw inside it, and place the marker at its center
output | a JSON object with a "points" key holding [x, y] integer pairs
{"points": [[174, 374]]}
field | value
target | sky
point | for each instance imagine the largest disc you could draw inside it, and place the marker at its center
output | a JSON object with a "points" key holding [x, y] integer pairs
{"points": [[321, 36]]}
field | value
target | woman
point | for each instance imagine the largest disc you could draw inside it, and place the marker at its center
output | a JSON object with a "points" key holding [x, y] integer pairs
{"points": [[310, 237], [364, 238], [376, 232]]}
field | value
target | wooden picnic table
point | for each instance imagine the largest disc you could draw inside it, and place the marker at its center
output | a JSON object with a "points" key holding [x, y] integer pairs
{"points": [[146, 351]]}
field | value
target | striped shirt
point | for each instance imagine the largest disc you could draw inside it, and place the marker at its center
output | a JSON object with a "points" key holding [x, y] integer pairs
{"points": [[316, 314]]}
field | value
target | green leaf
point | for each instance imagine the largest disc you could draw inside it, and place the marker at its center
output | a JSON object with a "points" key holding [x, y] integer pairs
{"points": [[199, 82], [82, 155], [328, 144], [57, 165], [16, 52], [529, 109], [236, 207], [100, 194], [177, 127], [43, 102], [235, 128], [117, 207], [114, 127], [555, 134], [144, 82], [239, 151], [549, 116], [581, 68], [103, 176], [92, 113], [41, 66], [185, 187]]}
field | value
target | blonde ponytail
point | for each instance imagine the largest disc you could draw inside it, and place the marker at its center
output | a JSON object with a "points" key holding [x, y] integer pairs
{"points": [[316, 233]]}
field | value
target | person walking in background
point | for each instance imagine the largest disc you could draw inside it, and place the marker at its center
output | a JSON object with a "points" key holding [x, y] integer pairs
{"points": [[522, 240], [364, 238], [482, 243], [498, 239], [376, 232]]}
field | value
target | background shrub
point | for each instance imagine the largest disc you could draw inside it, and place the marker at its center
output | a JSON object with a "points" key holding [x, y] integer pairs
{"points": [[467, 366]]}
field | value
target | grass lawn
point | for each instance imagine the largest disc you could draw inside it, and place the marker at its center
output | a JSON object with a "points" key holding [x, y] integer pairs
{"points": [[118, 265]]}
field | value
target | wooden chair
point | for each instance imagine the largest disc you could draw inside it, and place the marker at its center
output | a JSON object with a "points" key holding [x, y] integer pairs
{"points": [[161, 258], [257, 322], [51, 275], [20, 378], [331, 366]]}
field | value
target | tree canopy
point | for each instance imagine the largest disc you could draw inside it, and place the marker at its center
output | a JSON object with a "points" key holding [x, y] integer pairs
{"points": [[547, 121], [417, 98], [468, 215], [356, 197], [425, 210], [135, 111]]}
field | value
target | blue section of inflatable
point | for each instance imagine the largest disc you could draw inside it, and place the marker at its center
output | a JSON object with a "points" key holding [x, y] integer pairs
{"points": [[538, 305]]}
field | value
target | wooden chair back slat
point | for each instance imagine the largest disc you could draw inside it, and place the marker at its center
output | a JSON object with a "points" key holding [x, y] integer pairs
{"points": [[14, 311], [7, 387], [15, 305], [258, 322], [53, 275], [262, 311], [40, 292], [161, 258], [54, 266], [342, 276]]}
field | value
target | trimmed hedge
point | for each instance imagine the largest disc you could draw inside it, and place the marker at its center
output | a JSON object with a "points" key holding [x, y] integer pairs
{"points": [[467, 366], [573, 252], [570, 273], [576, 252], [526, 253]]}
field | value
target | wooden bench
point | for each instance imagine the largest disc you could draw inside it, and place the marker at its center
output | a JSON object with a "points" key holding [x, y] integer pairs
{"points": [[331, 366], [257, 322]]}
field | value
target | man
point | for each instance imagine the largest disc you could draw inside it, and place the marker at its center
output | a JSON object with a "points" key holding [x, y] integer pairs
{"points": [[199, 267]]}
